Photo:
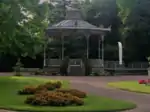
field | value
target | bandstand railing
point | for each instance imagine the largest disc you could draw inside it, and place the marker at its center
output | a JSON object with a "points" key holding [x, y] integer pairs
{"points": [[130, 66], [96, 65]]}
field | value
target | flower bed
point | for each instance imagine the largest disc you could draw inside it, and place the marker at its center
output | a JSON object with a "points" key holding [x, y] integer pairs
{"points": [[28, 90], [51, 94], [54, 99], [10, 86], [146, 82], [74, 92]]}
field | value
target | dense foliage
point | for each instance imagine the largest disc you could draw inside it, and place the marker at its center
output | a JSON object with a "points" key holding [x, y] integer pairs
{"points": [[74, 92], [54, 99], [29, 90], [22, 25], [52, 94]]}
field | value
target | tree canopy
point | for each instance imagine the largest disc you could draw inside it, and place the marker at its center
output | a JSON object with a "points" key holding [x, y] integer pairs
{"points": [[22, 24]]}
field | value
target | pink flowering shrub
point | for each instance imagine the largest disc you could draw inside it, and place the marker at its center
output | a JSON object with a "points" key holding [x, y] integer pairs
{"points": [[143, 81]]}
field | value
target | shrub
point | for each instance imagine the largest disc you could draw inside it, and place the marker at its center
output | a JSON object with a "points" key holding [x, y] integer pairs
{"points": [[94, 74], [58, 84], [53, 85], [39, 72], [43, 87], [142, 82], [106, 73], [29, 90], [18, 74], [47, 86], [46, 73], [74, 92], [40, 88], [54, 99]]}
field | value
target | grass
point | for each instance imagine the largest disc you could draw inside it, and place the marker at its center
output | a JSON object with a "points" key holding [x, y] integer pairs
{"points": [[132, 86], [11, 101]]}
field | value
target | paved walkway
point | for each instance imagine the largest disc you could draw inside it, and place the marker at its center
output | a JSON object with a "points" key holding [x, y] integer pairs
{"points": [[98, 86]]}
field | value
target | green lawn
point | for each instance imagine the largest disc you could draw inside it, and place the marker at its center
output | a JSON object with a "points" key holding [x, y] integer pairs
{"points": [[132, 86], [10, 100]]}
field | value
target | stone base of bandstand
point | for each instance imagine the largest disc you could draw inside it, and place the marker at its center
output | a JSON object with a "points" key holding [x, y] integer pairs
{"points": [[148, 71], [119, 70], [51, 69]]}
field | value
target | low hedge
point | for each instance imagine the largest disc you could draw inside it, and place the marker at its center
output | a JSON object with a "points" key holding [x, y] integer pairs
{"points": [[29, 69], [29, 90], [74, 92], [53, 99], [57, 84], [51, 94]]}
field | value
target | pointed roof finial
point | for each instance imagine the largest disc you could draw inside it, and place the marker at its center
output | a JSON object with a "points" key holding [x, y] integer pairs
{"points": [[74, 4], [73, 11]]}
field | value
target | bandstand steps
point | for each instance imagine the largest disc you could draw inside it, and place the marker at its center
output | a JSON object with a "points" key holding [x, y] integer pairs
{"points": [[76, 71]]}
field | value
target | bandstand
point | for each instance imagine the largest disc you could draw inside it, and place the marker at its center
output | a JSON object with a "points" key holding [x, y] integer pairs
{"points": [[75, 24]]}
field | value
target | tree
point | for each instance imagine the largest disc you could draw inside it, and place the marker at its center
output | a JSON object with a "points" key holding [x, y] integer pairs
{"points": [[103, 12], [125, 9], [138, 36], [22, 27]]}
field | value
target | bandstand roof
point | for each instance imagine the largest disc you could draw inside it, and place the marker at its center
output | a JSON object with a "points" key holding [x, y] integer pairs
{"points": [[74, 22]]}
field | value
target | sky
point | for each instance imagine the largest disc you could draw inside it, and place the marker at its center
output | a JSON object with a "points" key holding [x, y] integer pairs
{"points": [[43, 0]]}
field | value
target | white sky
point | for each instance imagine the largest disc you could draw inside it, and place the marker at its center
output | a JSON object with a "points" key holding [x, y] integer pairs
{"points": [[42, 1]]}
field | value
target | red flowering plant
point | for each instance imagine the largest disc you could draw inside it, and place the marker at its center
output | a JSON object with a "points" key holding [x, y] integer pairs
{"points": [[143, 81]]}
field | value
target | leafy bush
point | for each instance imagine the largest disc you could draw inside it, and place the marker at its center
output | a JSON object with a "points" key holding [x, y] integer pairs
{"points": [[52, 85], [54, 99], [74, 92], [39, 72], [47, 86], [57, 84], [95, 74], [27, 90], [43, 87], [42, 72], [101, 73], [106, 73]]}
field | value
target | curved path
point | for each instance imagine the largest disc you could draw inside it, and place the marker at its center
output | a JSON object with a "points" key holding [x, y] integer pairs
{"points": [[98, 86]]}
